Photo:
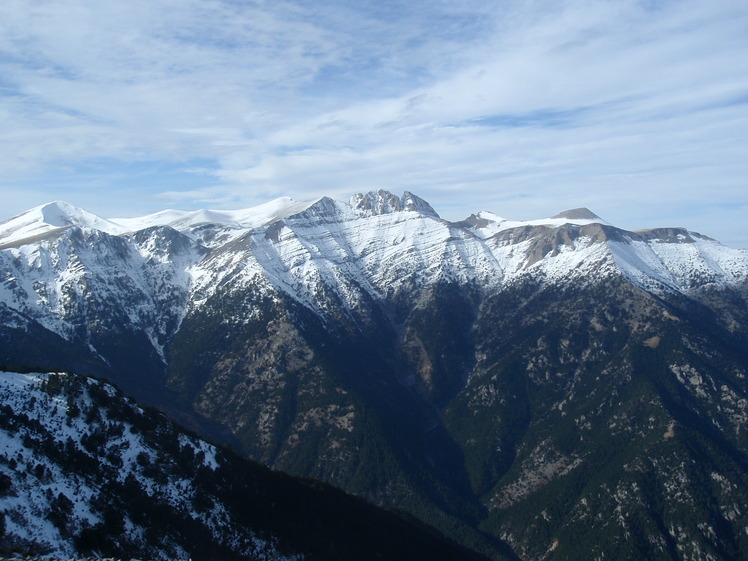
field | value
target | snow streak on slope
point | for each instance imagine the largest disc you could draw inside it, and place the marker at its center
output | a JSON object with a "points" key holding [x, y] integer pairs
{"points": [[695, 260], [579, 260], [639, 263]]}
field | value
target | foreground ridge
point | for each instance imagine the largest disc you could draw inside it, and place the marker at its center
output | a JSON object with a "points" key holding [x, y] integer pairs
{"points": [[86, 472]]}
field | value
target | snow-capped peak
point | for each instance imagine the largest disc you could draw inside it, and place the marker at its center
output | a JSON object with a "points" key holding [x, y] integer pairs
{"points": [[52, 216]]}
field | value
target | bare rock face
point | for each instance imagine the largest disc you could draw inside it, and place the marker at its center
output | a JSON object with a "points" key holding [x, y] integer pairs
{"points": [[578, 214], [383, 202]]}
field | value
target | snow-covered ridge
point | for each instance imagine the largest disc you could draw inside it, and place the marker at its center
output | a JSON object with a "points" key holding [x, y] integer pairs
{"points": [[60, 215], [254, 217], [486, 224], [54, 216], [57, 215], [57, 260], [50, 217]]}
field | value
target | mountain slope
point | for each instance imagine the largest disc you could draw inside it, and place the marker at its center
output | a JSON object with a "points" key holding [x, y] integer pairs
{"points": [[504, 381], [612, 422]]}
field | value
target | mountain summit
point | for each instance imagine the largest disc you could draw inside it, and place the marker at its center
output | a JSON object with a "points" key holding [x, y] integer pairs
{"points": [[384, 202], [49, 217], [579, 214], [547, 389]]}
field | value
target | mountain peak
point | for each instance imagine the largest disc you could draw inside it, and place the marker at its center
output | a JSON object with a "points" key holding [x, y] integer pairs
{"points": [[578, 214], [49, 217], [59, 213], [383, 202], [62, 214], [415, 203], [324, 209]]}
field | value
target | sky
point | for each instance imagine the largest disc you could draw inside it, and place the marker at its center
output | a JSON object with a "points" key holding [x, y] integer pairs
{"points": [[635, 109]]}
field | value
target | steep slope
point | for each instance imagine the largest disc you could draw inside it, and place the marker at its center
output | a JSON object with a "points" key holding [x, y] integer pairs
{"points": [[85, 300], [489, 376], [85, 471], [611, 421]]}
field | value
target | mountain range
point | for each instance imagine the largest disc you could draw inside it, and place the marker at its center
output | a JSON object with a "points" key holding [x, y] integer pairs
{"points": [[542, 389]]}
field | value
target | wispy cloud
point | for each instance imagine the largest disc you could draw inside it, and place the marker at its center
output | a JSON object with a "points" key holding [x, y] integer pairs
{"points": [[638, 109]]}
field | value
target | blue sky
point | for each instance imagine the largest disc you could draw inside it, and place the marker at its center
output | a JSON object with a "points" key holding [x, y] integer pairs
{"points": [[635, 109]]}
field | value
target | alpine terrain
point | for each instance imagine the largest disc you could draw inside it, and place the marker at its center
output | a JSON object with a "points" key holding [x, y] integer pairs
{"points": [[553, 389]]}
